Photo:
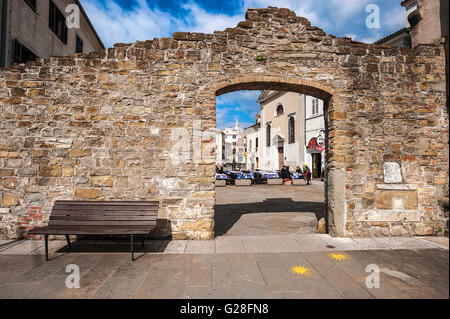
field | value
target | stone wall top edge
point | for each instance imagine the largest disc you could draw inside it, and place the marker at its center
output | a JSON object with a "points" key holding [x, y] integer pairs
{"points": [[252, 15]]}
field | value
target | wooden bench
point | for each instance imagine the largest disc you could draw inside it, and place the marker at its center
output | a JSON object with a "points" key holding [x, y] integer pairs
{"points": [[99, 218]]}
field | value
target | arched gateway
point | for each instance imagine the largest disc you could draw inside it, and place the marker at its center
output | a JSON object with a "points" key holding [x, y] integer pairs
{"points": [[136, 122]]}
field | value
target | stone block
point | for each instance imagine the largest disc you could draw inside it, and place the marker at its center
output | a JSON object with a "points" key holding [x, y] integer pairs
{"points": [[102, 181], [50, 171], [10, 200], [243, 182], [220, 182], [382, 215], [87, 193], [80, 153], [274, 181], [200, 224], [394, 199], [392, 172]]}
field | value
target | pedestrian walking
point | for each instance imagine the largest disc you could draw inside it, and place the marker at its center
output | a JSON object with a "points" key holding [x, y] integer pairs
{"points": [[307, 174]]}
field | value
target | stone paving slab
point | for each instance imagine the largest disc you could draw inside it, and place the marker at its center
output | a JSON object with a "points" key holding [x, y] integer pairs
{"points": [[23, 247], [437, 241], [200, 247], [231, 244]]}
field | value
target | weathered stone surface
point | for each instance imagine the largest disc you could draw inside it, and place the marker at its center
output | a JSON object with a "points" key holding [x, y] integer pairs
{"points": [[381, 215], [392, 172], [102, 181], [201, 224], [87, 193], [50, 171], [399, 200], [10, 200], [118, 124], [322, 226], [80, 153]]}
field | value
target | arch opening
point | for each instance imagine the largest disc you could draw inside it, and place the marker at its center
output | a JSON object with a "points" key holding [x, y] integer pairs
{"points": [[242, 216]]}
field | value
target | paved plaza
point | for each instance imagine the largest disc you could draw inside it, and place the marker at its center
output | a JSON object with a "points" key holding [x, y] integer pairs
{"points": [[268, 209]]}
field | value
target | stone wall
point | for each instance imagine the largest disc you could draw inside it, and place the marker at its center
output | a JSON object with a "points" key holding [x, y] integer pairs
{"points": [[109, 125]]}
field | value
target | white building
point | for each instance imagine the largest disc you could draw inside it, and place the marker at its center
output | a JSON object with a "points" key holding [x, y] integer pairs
{"points": [[252, 138], [290, 131], [314, 134], [220, 148], [230, 146]]}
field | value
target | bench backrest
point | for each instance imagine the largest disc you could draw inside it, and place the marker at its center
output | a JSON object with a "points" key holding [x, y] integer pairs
{"points": [[111, 213]]}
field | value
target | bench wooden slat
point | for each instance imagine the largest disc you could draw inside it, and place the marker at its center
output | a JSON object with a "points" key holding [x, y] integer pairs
{"points": [[92, 230], [102, 222], [105, 211], [105, 203], [110, 207], [102, 217]]}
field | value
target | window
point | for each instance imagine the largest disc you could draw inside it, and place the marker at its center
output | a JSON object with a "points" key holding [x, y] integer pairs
{"points": [[234, 137], [280, 109], [31, 4], [78, 45], [256, 143], [315, 106], [22, 54], [57, 23], [268, 135], [291, 129], [250, 145]]}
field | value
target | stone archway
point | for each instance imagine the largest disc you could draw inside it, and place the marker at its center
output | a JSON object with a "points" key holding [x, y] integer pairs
{"points": [[136, 122]]}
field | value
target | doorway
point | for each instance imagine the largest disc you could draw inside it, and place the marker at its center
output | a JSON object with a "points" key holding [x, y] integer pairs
{"points": [[316, 164], [280, 157]]}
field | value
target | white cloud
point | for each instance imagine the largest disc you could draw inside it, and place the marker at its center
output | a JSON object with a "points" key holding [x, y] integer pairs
{"points": [[115, 24], [396, 17], [344, 9], [199, 20]]}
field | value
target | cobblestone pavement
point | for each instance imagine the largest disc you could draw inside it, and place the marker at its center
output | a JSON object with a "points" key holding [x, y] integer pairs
{"points": [[230, 267], [268, 209]]}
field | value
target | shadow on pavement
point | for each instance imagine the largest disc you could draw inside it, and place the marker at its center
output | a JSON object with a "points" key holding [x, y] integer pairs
{"points": [[226, 215]]}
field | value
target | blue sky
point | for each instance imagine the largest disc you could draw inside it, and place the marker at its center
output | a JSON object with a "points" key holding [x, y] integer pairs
{"points": [[130, 20]]}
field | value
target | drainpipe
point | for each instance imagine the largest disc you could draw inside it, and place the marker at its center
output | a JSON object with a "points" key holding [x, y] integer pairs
{"points": [[3, 42]]}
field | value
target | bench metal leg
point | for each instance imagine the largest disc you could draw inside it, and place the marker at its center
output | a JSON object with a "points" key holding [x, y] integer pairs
{"points": [[68, 241], [142, 241], [46, 247], [132, 248]]}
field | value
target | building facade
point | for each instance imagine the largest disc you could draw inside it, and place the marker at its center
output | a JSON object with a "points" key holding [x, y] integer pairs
{"points": [[252, 138], [33, 29], [231, 145], [282, 136], [291, 131], [220, 148], [314, 134]]}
